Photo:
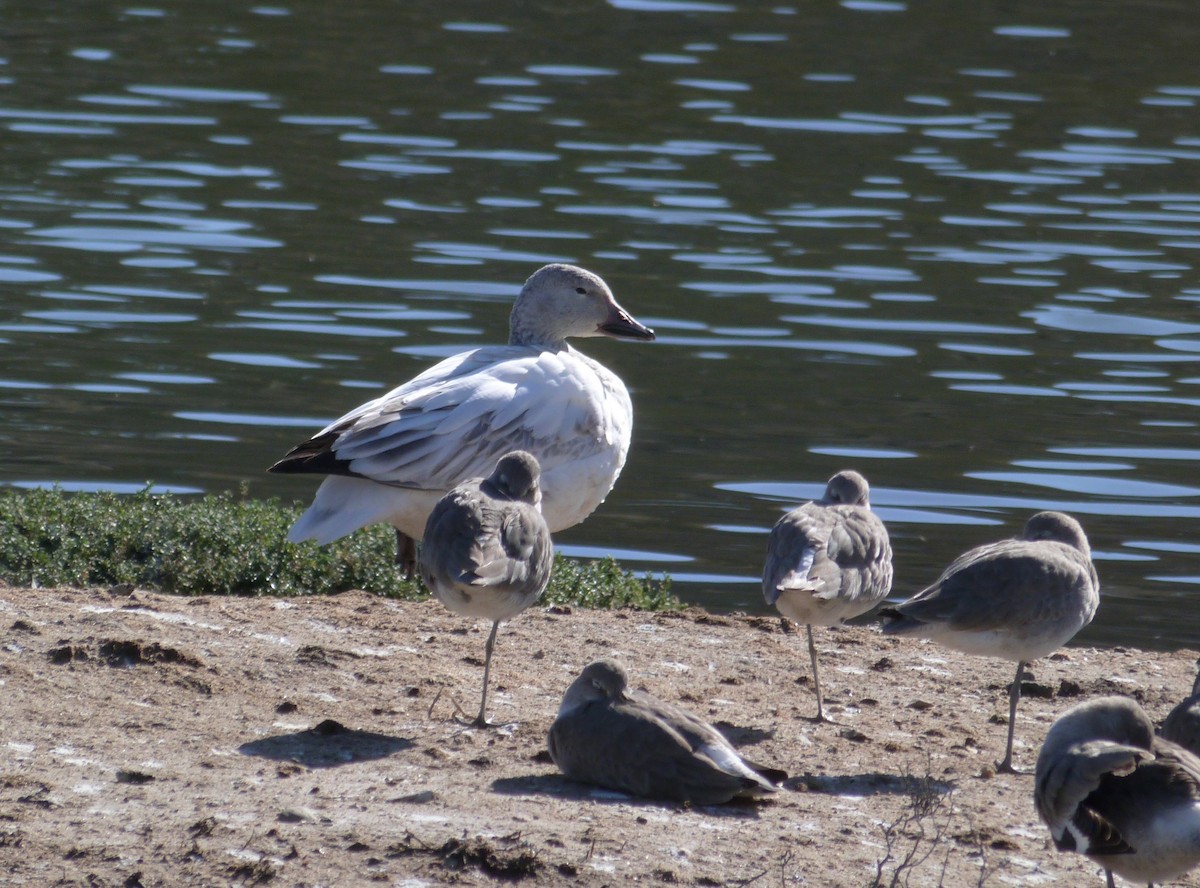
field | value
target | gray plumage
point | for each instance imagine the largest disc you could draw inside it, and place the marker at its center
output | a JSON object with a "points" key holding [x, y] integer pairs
{"points": [[828, 560], [487, 551], [629, 741], [1182, 725], [1017, 599], [1108, 788]]}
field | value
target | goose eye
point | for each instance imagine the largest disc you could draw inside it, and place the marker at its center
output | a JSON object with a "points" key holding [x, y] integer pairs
{"points": [[581, 291], [597, 685]]}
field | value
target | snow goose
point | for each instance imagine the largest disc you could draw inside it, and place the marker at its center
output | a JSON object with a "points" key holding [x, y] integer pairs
{"points": [[391, 459], [1108, 788], [487, 550], [1017, 599], [631, 742], [828, 560]]}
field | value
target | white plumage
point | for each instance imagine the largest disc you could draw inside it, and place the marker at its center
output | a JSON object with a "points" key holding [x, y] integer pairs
{"points": [[391, 459]]}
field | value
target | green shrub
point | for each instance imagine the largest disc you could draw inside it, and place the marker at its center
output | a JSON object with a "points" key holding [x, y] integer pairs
{"points": [[227, 545]]}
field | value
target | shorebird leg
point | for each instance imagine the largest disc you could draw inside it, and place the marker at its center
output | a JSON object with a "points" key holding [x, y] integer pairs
{"points": [[1014, 694], [481, 719], [812, 655], [406, 554]]}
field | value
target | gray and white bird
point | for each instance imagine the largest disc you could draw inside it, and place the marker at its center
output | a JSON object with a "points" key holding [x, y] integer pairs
{"points": [[1108, 788], [487, 551], [1182, 724], [1017, 599], [389, 460], [828, 560], [626, 740]]}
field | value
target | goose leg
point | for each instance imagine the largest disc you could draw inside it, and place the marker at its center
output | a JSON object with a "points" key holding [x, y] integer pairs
{"points": [[406, 554]]}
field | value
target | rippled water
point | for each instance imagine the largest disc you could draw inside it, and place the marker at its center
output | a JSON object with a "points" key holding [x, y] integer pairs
{"points": [[950, 245]]}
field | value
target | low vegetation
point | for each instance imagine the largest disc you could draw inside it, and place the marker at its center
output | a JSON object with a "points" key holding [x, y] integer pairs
{"points": [[231, 545]]}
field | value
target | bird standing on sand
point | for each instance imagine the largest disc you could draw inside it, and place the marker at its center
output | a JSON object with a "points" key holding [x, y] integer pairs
{"points": [[1016, 599], [487, 550], [391, 459], [1182, 724], [1108, 788], [828, 560], [629, 741]]}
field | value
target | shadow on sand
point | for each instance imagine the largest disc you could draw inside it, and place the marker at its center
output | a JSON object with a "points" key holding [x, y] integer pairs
{"points": [[326, 745], [561, 788], [868, 784]]}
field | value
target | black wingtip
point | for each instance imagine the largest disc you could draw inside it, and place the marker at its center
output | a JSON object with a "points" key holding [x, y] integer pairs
{"points": [[314, 457], [772, 775]]}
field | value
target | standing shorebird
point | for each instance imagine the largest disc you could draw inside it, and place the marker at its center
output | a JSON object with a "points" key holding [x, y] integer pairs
{"points": [[1017, 599], [487, 550], [631, 742], [1108, 788], [828, 560], [1182, 724], [389, 460]]}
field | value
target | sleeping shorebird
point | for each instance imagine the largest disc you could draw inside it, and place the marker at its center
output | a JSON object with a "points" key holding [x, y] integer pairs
{"points": [[1016, 599], [629, 741], [391, 459], [487, 550], [828, 560], [1108, 788]]}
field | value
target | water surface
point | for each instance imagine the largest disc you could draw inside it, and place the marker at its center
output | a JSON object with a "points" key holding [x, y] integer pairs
{"points": [[951, 246]]}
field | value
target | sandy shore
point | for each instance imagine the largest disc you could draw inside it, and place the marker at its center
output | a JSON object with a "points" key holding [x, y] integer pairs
{"points": [[161, 741]]}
